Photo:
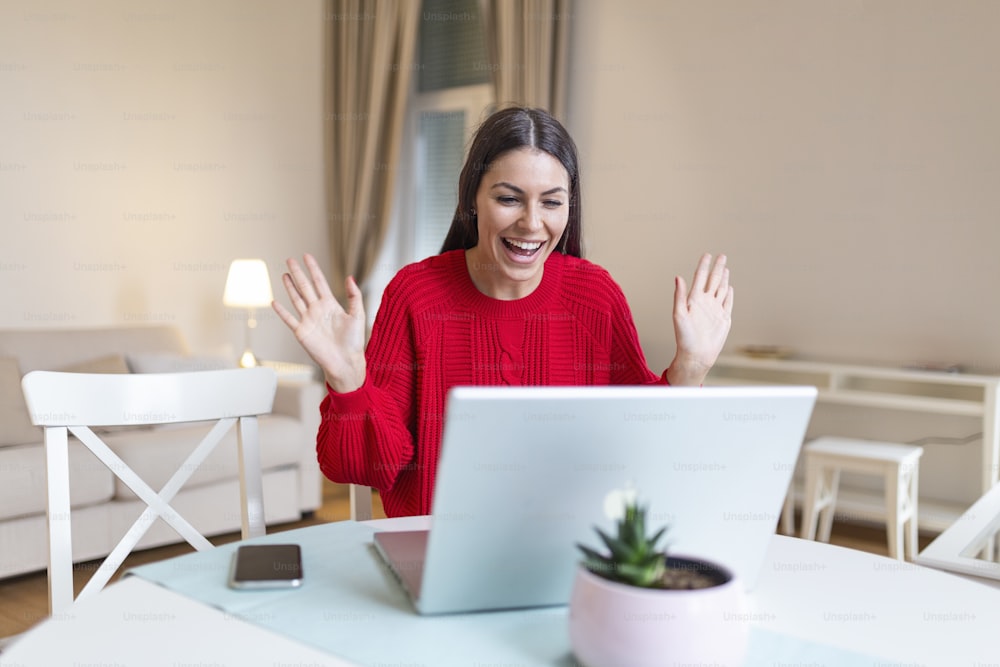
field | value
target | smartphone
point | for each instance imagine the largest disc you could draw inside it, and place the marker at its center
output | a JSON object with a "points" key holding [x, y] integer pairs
{"points": [[266, 566]]}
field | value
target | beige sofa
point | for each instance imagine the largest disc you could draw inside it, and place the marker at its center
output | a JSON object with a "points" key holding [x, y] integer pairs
{"points": [[103, 506]]}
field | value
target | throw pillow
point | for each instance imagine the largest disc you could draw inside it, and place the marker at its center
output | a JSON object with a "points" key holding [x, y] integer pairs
{"points": [[112, 363], [165, 362]]}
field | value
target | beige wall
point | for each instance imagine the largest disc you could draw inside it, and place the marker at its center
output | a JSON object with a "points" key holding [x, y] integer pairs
{"points": [[845, 154], [145, 146]]}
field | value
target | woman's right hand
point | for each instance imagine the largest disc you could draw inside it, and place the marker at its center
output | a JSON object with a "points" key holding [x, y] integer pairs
{"points": [[333, 337]]}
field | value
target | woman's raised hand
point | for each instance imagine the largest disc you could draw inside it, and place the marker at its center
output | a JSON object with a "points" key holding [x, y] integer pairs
{"points": [[702, 318], [333, 337]]}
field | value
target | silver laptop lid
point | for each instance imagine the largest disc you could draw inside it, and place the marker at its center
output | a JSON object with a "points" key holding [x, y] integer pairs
{"points": [[524, 473]]}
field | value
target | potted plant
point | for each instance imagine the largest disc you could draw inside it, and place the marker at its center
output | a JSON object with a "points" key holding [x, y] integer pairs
{"points": [[635, 606]]}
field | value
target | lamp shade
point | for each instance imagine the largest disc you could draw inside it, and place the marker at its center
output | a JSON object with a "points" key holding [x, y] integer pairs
{"points": [[248, 284]]}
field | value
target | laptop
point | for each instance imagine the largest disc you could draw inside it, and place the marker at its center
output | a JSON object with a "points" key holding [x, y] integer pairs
{"points": [[524, 474]]}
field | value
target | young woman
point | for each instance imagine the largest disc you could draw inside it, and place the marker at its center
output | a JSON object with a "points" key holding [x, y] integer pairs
{"points": [[509, 301]]}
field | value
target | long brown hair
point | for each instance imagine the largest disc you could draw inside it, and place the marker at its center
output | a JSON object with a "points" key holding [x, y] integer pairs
{"points": [[507, 130]]}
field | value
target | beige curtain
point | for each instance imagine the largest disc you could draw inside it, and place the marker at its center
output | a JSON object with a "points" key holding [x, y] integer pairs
{"points": [[528, 46], [369, 55]]}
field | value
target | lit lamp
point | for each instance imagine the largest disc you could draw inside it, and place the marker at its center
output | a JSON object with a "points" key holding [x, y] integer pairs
{"points": [[248, 286]]}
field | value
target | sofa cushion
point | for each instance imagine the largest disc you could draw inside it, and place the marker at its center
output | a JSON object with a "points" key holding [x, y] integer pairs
{"points": [[23, 491], [166, 362], [156, 454], [49, 349], [15, 422]]}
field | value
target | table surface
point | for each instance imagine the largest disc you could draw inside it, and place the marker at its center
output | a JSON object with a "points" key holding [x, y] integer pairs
{"points": [[814, 604]]}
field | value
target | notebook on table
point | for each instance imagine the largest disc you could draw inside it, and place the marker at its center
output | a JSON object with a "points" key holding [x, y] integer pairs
{"points": [[524, 474]]}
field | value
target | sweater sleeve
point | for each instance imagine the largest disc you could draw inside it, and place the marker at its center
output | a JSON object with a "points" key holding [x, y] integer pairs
{"points": [[366, 436]]}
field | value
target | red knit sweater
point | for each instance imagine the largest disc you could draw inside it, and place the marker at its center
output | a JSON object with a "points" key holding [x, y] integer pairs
{"points": [[434, 331]]}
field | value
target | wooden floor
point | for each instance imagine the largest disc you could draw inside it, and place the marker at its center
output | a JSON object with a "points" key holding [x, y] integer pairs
{"points": [[24, 599]]}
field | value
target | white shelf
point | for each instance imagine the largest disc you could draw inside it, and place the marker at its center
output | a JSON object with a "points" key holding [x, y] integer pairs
{"points": [[872, 399], [884, 388]]}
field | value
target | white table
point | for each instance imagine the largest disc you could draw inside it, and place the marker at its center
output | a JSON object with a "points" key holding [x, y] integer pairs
{"points": [[897, 613], [136, 622]]}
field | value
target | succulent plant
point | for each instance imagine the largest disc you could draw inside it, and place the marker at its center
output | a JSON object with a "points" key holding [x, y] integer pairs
{"points": [[633, 558]]}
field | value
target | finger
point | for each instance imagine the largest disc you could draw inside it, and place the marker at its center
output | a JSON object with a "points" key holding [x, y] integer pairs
{"points": [[318, 279], [293, 294], [715, 278], [727, 303], [290, 320], [302, 283], [680, 297], [700, 280], [355, 300], [723, 288]]}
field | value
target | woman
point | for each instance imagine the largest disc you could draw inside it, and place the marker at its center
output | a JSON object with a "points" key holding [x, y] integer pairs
{"points": [[508, 301]]}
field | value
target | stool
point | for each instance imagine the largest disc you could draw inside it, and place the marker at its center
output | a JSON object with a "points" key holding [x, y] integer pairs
{"points": [[897, 464]]}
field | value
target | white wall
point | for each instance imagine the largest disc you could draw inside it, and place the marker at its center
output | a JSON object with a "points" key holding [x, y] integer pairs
{"points": [[145, 146], [844, 154]]}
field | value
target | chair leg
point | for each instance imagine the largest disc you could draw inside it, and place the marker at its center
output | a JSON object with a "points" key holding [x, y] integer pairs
{"points": [[831, 483], [361, 502], [820, 496], [252, 516], [809, 502], [912, 526], [788, 514], [894, 512], [60, 573]]}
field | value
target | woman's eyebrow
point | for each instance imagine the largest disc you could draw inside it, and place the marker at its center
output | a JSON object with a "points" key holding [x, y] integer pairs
{"points": [[505, 184]]}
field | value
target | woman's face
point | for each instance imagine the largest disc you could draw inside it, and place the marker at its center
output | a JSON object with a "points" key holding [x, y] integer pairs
{"points": [[522, 207]]}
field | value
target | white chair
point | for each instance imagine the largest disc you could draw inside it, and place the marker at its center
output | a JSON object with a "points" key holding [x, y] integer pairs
{"points": [[897, 464], [65, 403], [361, 502], [969, 545]]}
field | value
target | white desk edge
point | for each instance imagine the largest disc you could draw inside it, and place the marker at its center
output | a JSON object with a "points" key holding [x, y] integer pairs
{"points": [[85, 634]]}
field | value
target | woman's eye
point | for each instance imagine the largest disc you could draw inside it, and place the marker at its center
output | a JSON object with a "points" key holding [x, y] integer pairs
{"points": [[552, 203], [507, 200]]}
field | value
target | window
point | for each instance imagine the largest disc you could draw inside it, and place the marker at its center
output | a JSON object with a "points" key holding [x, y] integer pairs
{"points": [[450, 94]]}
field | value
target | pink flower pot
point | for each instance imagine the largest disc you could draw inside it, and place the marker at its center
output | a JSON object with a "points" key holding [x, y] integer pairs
{"points": [[616, 625]]}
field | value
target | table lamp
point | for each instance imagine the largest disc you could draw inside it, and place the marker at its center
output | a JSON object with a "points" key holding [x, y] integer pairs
{"points": [[248, 286]]}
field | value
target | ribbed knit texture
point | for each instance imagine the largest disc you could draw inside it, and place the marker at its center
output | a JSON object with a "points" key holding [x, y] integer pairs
{"points": [[434, 331]]}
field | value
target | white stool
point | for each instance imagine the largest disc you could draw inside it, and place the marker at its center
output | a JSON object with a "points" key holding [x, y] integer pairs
{"points": [[897, 464]]}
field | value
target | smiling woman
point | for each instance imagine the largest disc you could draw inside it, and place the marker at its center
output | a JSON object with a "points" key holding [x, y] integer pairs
{"points": [[508, 301], [521, 213], [518, 129]]}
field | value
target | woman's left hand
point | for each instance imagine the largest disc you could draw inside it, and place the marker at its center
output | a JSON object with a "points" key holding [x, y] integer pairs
{"points": [[702, 318]]}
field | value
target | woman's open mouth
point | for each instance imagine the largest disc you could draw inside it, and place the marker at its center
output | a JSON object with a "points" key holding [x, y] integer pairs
{"points": [[522, 249]]}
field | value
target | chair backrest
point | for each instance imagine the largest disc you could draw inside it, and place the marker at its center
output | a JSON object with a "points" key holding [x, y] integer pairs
{"points": [[66, 403]]}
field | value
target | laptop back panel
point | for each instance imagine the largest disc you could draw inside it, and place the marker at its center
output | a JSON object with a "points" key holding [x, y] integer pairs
{"points": [[524, 474]]}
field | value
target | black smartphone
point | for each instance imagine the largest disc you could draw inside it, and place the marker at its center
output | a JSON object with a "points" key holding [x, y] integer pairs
{"points": [[266, 566]]}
